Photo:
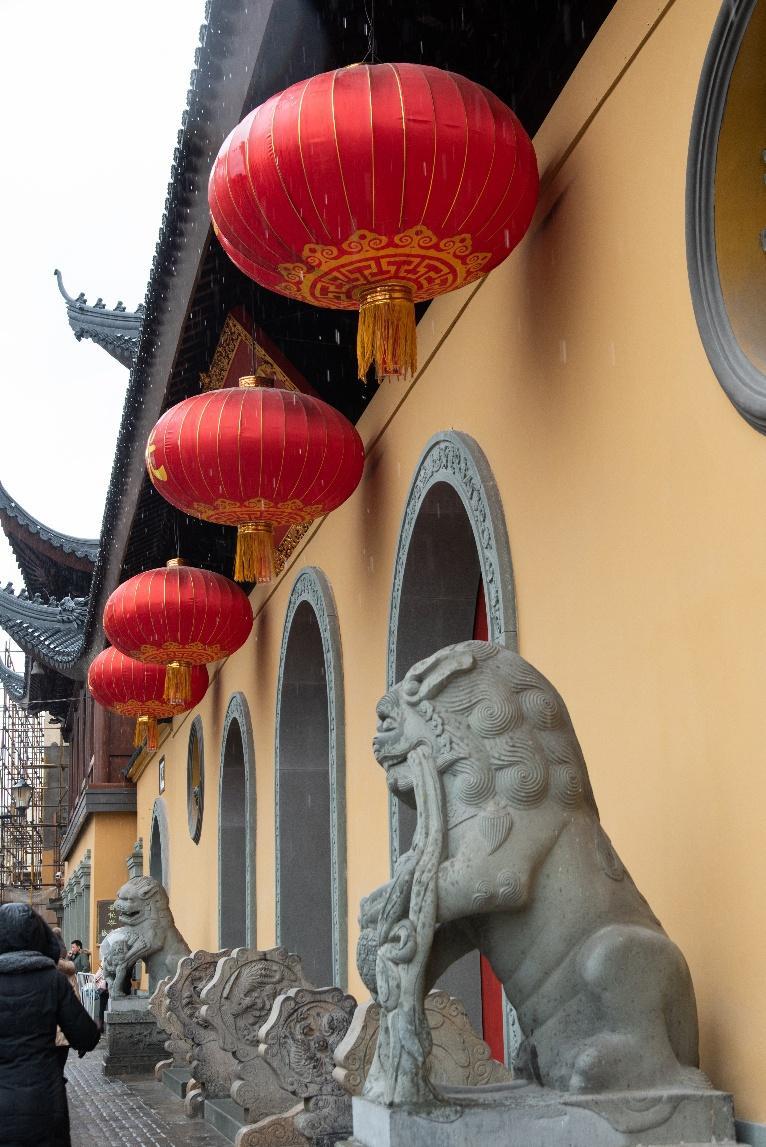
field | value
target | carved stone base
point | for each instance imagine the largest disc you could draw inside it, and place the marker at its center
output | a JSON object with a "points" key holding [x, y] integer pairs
{"points": [[275, 1129], [194, 1099], [537, 1117], [161, 1067], [134, 1043], [177, 1079]]}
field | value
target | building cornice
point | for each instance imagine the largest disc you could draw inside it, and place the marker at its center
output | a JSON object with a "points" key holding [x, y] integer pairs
{"points": [[97, 801]]}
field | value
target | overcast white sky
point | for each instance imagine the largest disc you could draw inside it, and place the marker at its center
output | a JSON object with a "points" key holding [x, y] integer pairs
{"points": [[91, 94]]}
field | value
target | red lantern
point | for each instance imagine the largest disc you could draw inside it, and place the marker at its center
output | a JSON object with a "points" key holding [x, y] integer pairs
{"points": [[254, 458], [135, 689], [178, 617], [374, 187]]}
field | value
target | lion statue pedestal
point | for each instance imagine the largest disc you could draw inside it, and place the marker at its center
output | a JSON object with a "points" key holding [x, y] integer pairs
{"points": [[133, 1040], [509, 857]]}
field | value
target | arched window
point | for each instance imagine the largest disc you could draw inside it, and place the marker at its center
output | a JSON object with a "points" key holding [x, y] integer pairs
{"points": [[195, 780], [726, 206], [310, 784], [159, 845], [236, 829], [453, 580]]}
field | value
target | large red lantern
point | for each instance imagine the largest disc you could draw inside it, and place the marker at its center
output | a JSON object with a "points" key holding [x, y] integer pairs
{"points": [[254, 458], [135, 689], [178, 617], [374, 187]]}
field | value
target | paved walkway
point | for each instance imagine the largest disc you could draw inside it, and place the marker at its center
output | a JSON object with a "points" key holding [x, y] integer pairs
{"points": [[137, 1113]]}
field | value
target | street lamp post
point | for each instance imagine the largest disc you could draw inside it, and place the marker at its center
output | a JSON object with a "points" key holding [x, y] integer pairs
{"points": [[21, 793], [21, 798]]}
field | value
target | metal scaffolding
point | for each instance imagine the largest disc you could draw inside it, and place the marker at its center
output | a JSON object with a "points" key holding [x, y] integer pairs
{"points": [[30, 839]]}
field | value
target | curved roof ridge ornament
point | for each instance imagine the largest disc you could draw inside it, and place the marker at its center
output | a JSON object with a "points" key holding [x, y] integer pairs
{"points": [[86, 548], [116, 330]]}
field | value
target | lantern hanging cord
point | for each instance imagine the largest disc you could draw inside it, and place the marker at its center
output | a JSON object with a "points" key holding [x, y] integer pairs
{"points": [[372, 49]]}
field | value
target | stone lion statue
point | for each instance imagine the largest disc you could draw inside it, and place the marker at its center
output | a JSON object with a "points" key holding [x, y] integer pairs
{"points": [[509, 857], [148, 933], [116, 963]]}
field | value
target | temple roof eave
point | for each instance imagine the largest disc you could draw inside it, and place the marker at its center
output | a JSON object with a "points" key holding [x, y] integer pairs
{"points": [[51, 632], [12, 682], [116, 330], [85, 548]]}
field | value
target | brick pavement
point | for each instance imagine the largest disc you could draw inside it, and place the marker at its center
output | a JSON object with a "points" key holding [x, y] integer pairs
{"points": [[128, 1113]]}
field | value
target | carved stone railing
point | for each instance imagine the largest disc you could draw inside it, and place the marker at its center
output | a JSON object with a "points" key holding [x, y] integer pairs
{"points": [[289, 1055], [236, 1003], [176, 1006], [298, 1044], [184, 1003], [320, 1045], [459, 1057], [158, 1006]]}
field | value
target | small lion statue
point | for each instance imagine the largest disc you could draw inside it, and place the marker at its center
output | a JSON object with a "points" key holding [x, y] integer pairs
{"points": [[148, 933], [509, 857]]}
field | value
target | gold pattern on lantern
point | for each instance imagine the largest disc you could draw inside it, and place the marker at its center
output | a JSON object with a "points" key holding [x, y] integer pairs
{"points": [[331, 276], [159, 473], [231, 513]]}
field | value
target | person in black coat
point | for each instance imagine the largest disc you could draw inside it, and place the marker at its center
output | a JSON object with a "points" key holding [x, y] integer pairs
{"points": [[34, 998]]}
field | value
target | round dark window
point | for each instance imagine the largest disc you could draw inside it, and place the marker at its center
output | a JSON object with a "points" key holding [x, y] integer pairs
{"points": [[195, 780], [726, 206]]}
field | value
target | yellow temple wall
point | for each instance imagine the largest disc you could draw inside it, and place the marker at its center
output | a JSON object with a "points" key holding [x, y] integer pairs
{"points": [[633, 495], [115, 835], [193, 867], [110, 838], [85, 841]]}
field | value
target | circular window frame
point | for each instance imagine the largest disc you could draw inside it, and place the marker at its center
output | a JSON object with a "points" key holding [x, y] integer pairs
{"points": [[741, 380], [194, 821]]}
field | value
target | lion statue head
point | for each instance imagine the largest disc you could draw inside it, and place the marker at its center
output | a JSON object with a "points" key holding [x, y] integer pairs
{"points": [[142, 904], [492, 721]]}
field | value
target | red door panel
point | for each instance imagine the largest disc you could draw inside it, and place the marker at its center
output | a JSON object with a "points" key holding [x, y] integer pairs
{"points": [[491, 988]]}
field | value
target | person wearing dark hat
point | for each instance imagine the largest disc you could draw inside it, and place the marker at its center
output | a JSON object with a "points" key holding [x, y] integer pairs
{"points": [[35, 998]]}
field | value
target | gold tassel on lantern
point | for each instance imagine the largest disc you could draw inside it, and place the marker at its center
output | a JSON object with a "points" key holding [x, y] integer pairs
{"points": [[387, 333], [177, 683], [146, 729], [254, 559]]}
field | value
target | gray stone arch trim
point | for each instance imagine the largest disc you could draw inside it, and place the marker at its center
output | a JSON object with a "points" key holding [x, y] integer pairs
{"points": [[457, 460], [743, 383], [239, 711], [313, 587], [160, 819], [196, 730]]}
